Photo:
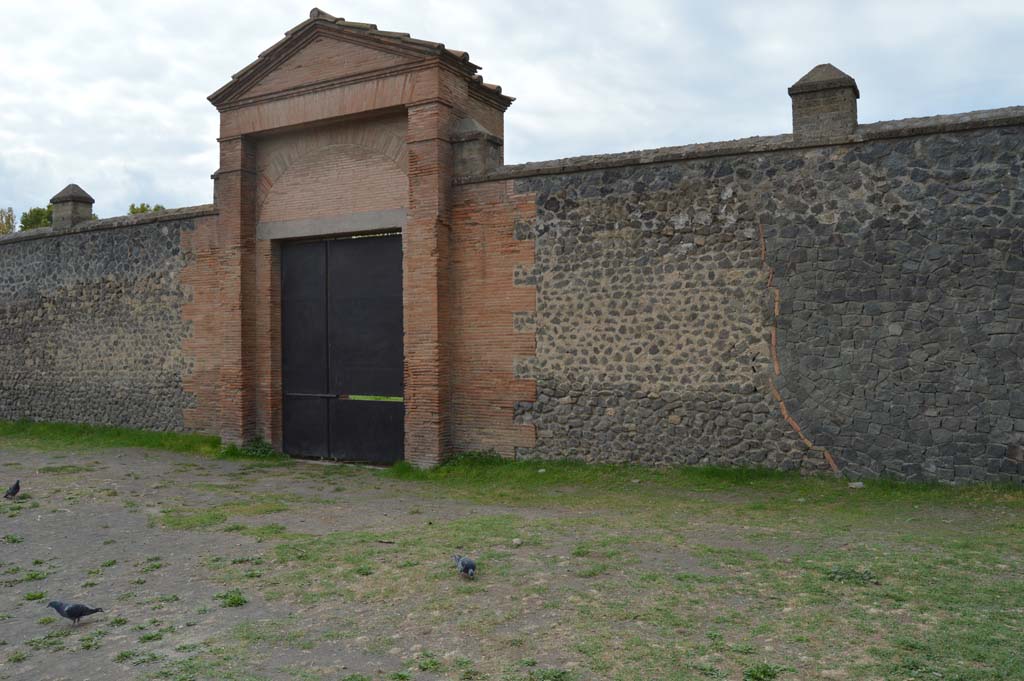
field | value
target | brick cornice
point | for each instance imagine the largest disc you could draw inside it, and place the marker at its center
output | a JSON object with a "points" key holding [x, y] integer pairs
{"points": [[331, 84], [230, 171]]}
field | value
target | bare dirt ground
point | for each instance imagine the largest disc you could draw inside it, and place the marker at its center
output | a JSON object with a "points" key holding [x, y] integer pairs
{"points": [[345, 575]]}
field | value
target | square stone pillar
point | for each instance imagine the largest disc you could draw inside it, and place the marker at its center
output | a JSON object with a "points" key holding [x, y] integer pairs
{"points": [[71, 205], [476, 151], [824, 105]]}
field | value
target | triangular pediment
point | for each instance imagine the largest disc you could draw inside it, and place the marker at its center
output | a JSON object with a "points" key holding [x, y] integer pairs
{"points": [[324, 58], [325, 49]]}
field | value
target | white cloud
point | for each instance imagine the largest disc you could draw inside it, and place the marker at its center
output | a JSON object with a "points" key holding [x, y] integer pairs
{"points": [[112, 94]]}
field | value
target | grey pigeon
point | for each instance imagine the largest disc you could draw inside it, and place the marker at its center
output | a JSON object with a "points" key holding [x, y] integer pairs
{"points": [[72, 611], [465, 565], [13, 490]]}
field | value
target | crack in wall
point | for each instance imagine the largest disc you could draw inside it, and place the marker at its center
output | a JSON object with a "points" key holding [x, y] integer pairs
{"points": [[776, 364]]}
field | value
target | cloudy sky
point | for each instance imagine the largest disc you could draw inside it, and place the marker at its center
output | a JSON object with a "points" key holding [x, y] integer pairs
{"points": [[111, 94]]}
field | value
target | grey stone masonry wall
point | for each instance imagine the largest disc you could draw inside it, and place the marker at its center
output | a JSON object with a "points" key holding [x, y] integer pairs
{"points": [[858, 304], [90, 323]]}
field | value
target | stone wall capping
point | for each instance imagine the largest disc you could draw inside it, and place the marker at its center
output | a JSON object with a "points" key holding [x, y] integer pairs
{"points": [[72, 193], [476, 149], [907, 127], [112, 223], [71, 206], [824, 77], [824, 105]]}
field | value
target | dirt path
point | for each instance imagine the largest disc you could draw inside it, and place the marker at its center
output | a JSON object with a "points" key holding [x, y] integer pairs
{"points": [[101, 528], [340, 573]]}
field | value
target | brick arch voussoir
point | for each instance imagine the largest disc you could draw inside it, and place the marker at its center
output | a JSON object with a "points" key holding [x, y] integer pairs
{"points": [[391, 148]]}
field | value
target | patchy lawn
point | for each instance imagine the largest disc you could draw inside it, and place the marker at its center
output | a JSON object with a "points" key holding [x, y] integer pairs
{"points": [[235, 569]]}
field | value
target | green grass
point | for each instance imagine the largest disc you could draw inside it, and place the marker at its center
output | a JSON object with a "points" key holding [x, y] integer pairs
{"points": [[17, 656], [762, 671], [487, 477], [192, 520], [54, 436], [255, 449], [205, 518], [75, 436], [233, 598]]}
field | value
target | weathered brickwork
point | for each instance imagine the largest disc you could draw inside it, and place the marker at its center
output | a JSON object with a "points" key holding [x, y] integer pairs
{"points": [[91, 326], [890, 272], [310, 173], [489, 319]]}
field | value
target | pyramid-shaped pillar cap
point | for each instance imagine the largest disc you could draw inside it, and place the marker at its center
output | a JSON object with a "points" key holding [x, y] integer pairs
{"points": [[72, 193], [824, 77]]}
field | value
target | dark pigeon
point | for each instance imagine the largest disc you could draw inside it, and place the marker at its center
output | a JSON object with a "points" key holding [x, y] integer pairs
{"points": [[13, 490], [73, 611], [465, 565]]}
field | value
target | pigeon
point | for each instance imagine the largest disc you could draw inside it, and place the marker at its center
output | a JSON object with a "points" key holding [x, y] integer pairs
{"points": [[13, 490], [72, 611], [465, 565]]}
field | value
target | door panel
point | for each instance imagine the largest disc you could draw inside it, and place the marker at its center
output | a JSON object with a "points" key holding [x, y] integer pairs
{"points": [[304, 349], [342, 348], [368, 431], [306, 424], [365, 329], [303, 320]]}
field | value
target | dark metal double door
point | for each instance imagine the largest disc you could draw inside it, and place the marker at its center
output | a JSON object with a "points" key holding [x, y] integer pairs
{"points": [[342, 348]]}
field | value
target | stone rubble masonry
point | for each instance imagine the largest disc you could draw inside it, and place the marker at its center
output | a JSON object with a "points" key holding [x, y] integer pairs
{"points": [[844, 298], [784, 304], [91, 325]]}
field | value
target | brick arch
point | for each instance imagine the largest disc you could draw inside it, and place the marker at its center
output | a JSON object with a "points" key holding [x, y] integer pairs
{"points": [[376, 147], [325, 180]]}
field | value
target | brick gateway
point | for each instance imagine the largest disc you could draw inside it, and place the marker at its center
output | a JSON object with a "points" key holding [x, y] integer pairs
{"points": [[846, 297]]}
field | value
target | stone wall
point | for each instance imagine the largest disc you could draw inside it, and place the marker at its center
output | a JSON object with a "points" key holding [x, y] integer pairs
{"points": [[91, 323], [857, 305]]}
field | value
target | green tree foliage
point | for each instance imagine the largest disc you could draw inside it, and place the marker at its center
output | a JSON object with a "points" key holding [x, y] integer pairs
{"points": [[6, 221], [144, 208], [35, 218]]}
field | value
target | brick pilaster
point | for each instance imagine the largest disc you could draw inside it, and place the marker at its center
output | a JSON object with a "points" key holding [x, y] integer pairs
{"points": [[235, 191], [425, 244]]}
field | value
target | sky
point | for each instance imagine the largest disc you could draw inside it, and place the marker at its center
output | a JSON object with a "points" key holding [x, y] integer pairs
{"points": [[112, 94]]}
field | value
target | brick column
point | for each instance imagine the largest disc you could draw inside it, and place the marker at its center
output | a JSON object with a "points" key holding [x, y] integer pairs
{"points": [[425, 283], [234, 194]]}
